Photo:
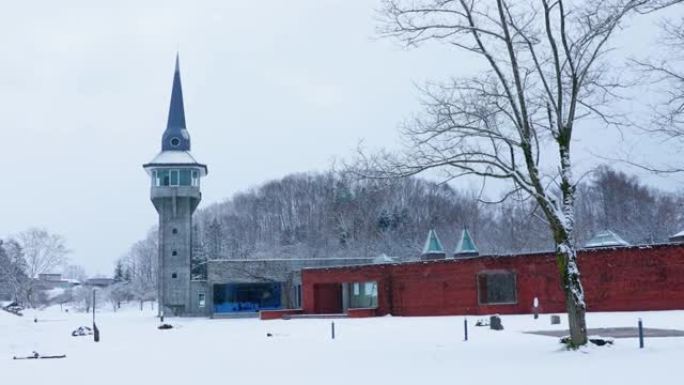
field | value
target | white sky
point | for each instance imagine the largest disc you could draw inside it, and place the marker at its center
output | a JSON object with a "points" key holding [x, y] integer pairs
{"points": [[271, 87]]}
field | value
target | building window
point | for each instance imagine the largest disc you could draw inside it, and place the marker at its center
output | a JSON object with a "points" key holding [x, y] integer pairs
{"points": [[163, 178], [174, 231], [202, 299], [298, 296], [363, 294], [175, 142], [174, 253], [174, 177], [496, 287], [174, 275], [185, 177]]}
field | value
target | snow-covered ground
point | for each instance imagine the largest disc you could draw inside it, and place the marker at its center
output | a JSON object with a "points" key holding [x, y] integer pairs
{"points": [[387, 350]]}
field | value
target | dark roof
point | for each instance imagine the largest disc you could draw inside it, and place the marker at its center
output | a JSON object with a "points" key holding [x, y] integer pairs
{"points": [[548, 254], [176, 137]]}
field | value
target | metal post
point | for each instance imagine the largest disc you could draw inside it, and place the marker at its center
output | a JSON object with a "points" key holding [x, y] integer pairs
{"points": [[332, 329], [641, 334], [465, 329], [96, 332]]}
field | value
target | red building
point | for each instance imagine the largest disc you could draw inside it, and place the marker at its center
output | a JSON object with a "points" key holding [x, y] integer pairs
{"points": [[615, 279]]}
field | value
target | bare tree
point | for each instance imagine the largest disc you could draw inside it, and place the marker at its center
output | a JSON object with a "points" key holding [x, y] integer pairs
{"points": [[42, 250], [667, 78], [76, 272], [139, 271], [546, 70]]}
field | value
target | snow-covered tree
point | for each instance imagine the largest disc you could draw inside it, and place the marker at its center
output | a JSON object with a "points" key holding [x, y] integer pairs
{"points": [[514, 121], [136, 272], [76, 272], [43, 252], [13, 278]]}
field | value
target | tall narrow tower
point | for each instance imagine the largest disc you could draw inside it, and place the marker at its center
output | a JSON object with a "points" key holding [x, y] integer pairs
{"points": [[175, 192]]}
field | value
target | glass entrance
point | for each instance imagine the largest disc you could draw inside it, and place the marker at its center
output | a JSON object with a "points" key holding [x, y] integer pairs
{"points": [[247, 297]]}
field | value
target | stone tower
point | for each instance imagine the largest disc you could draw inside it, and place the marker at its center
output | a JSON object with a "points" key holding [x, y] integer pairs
{"points": [[175, 193]]}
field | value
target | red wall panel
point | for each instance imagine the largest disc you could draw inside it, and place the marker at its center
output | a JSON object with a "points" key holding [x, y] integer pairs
{"points": [[621, 279]]}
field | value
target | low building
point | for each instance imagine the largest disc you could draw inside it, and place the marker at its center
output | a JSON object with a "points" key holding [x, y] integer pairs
{"points": [[626, 278], [49, 281], [100, 282], [247, 286]]}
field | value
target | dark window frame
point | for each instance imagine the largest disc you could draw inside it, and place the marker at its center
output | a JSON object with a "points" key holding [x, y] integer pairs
{"points": [[484, 273]]}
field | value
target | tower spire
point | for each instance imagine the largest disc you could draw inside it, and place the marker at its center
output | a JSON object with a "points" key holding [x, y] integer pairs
{"points": [[176, 137]]}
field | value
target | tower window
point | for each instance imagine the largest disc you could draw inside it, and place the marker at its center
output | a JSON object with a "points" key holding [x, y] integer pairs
{"points": [[174, 177], [174, 253], [174, 275], [175, 142], [185, 177], [175, 230], [163, 178]]}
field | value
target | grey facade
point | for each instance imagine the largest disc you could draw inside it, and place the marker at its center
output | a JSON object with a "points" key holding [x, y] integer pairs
{"points": [[175, 192], [283, 273]]}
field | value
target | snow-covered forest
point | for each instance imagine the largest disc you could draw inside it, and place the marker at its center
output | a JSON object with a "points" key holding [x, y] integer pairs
{"points": [[327, 215]]}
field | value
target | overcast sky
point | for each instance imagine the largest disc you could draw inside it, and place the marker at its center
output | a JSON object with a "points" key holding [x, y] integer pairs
{"points": [[271, 87]]}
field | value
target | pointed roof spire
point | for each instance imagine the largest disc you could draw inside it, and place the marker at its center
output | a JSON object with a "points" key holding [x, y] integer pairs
{"points": [[433, 248], [176, 137], [466, 246], [606, 238]]}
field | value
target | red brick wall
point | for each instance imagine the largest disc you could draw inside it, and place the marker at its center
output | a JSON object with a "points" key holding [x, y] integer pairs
{"points": [[634, 278]]}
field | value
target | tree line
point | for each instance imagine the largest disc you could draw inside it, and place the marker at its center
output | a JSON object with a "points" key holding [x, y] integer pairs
{"points": [[332, 215]]}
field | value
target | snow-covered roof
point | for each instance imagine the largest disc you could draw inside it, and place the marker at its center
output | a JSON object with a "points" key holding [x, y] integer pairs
{"points": [[432, 244], [606, 238], [175, 158], [383, 258], [466, 245], [678, 235]]}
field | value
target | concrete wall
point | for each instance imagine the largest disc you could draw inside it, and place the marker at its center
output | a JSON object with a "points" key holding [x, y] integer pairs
{"points": [[622, 279], [175, 210], [197, 287]]}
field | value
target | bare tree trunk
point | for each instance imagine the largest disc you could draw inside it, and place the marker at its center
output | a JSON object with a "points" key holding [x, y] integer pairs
{"points": [[575, 305]]}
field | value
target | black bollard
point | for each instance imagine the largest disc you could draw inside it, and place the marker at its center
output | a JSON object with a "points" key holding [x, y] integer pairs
{"points": [[465, 329], [96, 331], [641, 334], [332, 329]]}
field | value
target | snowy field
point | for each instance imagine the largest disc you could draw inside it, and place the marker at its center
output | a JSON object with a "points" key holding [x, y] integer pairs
{"points": [[387, 350]]}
